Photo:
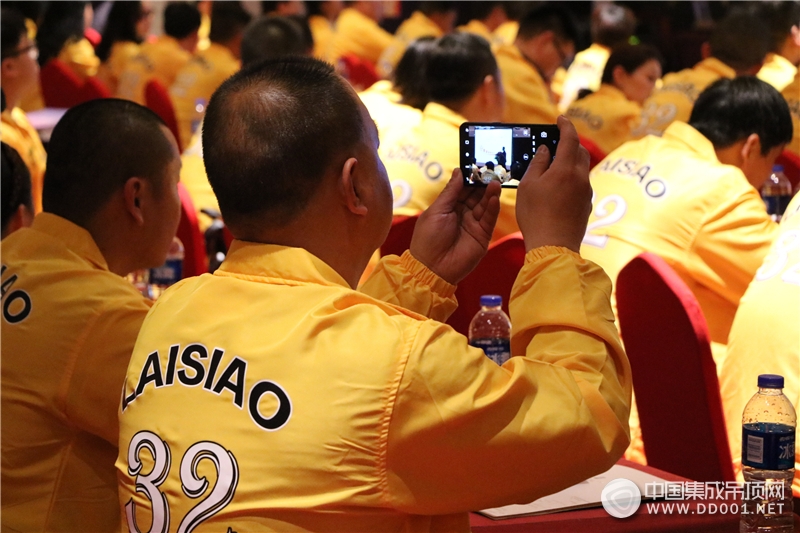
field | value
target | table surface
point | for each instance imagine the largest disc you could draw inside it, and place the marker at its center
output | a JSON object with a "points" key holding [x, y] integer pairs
{"points": [[697, 517]]}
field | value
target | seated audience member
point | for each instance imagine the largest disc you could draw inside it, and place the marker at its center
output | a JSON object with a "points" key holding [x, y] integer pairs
{"points": [[397, 106], [322, 17], [692, 198], [736, 47], [265, 38], [17, 202], [483, 18], [765, 336], [792, 95], [165, 57], [206, 71], [366, 443], [464, 85], [111, 206], [611, 26], [283, 8], [432, 19], [545, 41], [127, 26], [780, 65], [608, 116], [357, 33], [19, 74]]}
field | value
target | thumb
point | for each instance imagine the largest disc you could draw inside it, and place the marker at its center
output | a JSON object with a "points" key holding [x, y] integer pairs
{"points": [[539, 164], [449, 196]]}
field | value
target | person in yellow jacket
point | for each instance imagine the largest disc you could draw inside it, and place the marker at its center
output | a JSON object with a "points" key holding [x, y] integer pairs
{"points": [[464, 85], [736, 47], [608, 116], [206, 71], [322, 17], [111, 206], [792, 95], [545, 41], [611, 26], [484, 18], [163, 58], [357, 33], [692, 198], [765, 336], [127, 26], [18, 75], [780, 65], [327, 408], [432, 19]]}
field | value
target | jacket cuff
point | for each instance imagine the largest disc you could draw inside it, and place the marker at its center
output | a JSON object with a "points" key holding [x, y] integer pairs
{"points": [[544, 251], [426, 276]]}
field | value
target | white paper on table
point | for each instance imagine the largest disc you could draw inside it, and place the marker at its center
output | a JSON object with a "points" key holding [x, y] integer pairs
{"points": [[584, 495]]}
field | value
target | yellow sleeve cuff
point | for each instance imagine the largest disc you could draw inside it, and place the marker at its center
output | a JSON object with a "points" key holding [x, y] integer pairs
{"points": [[426, 276]]}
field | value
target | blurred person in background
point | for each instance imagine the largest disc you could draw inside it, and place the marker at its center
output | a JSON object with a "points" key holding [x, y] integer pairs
{"points": [[358, 33], [163, 58], [737, 47], [608, 116], [792, 95], [483, 18], [284, 8], [780, 65], [15, 194], [545, 41], [692, 198], [111, 206], [127, 26], [19, 74], [431, 19], [611, 26], [206, 70], [322, 17]]}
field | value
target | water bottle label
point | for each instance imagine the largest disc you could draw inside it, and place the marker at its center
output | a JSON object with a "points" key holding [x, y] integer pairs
{"points": [[168, 273], [498, 350], [776, 205], [768, 446]]}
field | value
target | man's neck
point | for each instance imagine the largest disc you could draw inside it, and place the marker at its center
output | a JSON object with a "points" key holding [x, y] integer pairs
{"points": [[13, 96]]}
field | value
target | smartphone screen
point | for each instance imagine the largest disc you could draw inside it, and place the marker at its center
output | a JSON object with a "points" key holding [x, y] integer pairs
{"points": [[502, 152]]}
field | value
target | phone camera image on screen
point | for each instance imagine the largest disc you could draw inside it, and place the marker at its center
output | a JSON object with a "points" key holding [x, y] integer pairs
{"points": [[501, 152]]}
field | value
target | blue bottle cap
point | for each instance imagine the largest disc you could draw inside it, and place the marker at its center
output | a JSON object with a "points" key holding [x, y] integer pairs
{"points": [[777, 168], [770, 381], [491, 300]]}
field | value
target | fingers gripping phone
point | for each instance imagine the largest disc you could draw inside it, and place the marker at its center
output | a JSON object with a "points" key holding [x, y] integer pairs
{"points": [[501, 152]]}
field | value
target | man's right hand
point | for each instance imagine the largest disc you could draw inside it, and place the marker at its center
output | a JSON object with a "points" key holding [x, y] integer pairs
{"points": [[554, 200]]}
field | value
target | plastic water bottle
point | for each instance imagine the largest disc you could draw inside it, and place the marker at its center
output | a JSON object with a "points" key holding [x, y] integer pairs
{"points": [[199, 112], [170, 272], [768, 430], [776, 193], [490, 329]]}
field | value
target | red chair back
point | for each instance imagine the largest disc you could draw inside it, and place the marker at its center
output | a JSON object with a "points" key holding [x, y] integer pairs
{"points": [[94, 89], [595, 153], [495, 274], [360, 73], [674, 376], [194, 245], [157, 98], [61, 87], [791, 167], [399, 238]]}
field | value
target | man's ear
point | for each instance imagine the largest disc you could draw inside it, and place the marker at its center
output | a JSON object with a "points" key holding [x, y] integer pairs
{"points": [[751, 149], [349, 181], [133, 192], [8, 67]]}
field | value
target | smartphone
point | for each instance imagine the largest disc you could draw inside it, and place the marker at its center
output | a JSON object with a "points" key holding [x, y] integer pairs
{"points": [[501, 152]]}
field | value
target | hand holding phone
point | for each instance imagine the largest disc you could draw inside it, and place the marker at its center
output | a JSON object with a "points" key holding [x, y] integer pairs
{"points": [[502, 152]]}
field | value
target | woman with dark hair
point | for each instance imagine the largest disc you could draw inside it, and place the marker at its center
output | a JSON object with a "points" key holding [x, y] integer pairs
{"points": [[609, 116], [127, 26], [61, 35]]}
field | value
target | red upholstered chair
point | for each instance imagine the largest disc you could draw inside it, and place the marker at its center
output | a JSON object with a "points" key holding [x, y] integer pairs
{"points": [[495, 274], [360, 73], [674, 376], [157, 98], [94, 89], [595, 153], [194, 259], [61, 87], [791, 167], [399, 238]]}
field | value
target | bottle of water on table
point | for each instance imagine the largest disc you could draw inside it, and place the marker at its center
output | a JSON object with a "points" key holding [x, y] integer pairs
{"points": [[777, 193], [490, 329], [768, 432]]}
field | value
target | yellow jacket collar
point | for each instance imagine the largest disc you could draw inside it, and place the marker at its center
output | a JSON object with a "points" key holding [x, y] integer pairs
{"points": [[74, 237], [610, 91], [272, 263], [712, 64], [217, 50], [440, 113], [683, 133]]}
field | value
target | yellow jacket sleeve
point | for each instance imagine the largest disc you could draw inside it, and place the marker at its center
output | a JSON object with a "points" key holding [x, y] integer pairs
{"points": [[465, 433]]}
